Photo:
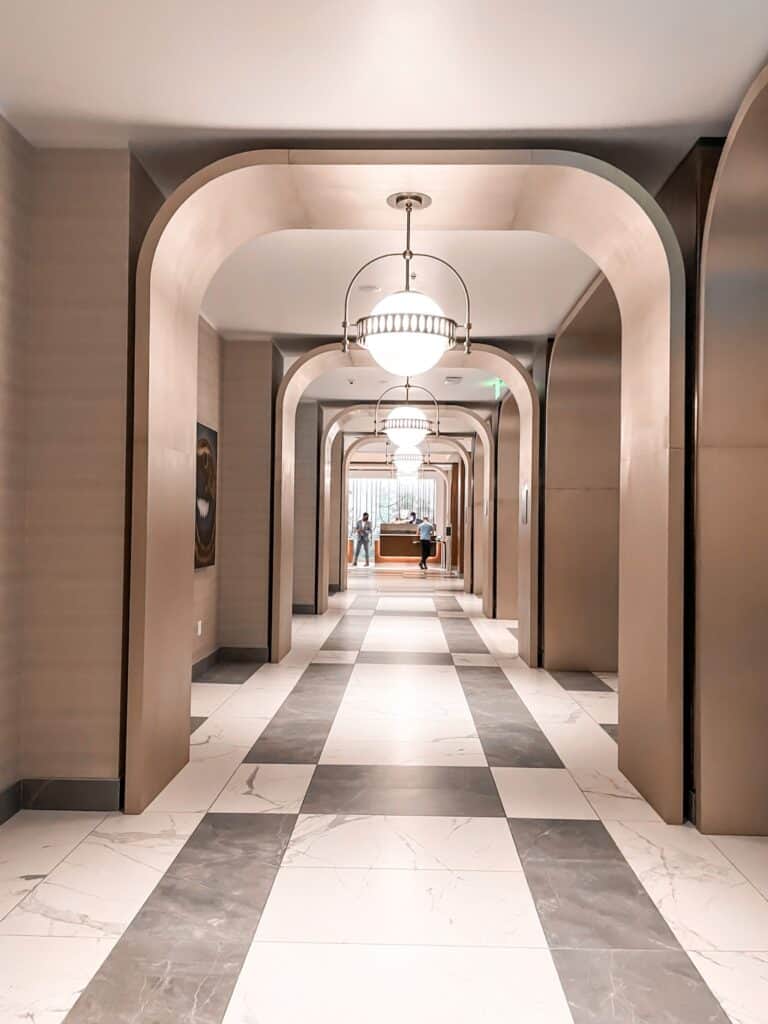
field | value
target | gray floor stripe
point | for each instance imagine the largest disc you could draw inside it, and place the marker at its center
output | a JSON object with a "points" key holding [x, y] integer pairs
{"points": [[300, 727], [229, 672], [445, 603], [461, 636], [348, 634], [404, 658], [196, 721], [509, 734], [398, 790], [579, 681], [180, 957], [617, 958], [612, 730]]}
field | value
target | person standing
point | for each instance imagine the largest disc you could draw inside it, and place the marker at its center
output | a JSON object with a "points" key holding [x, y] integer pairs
{"points": [[363, 531], [426, 530]]}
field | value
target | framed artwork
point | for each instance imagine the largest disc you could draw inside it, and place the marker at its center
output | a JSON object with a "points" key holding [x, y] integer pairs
{"points": [[205, 497]]}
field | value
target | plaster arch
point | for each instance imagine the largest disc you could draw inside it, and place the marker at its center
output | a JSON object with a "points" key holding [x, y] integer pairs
{"points": [[575, 197], [452, 443], [330, 432]]}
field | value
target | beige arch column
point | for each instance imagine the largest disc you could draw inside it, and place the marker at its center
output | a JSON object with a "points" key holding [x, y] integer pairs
{"points": [[731, 693], [575, 197], [507, 509]]}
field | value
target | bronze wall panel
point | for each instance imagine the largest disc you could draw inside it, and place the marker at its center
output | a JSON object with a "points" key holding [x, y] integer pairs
{"points": [[507, 509]]}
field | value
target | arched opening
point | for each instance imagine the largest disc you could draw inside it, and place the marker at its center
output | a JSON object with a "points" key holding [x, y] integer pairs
{"points": [[594, 206]]}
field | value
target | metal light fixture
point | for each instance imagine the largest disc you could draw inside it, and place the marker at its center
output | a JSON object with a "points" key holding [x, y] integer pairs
{"points": [[406, 332], [407, 424]]}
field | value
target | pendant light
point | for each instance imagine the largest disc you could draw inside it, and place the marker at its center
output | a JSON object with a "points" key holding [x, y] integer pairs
{"points": [[407, 461], [407, 333], [407, 425]]}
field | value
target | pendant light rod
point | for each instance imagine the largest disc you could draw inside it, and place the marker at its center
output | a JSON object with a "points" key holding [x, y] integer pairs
{"points": [[408, 255]]}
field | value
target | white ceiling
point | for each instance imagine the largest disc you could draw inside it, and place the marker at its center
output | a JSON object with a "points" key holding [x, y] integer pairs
{"points": [[293, 282], [89, 72], [366, 383]]}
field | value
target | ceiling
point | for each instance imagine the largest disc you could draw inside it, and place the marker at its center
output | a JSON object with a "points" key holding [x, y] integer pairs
{"points": [[293, 282], [634, 82], [366, 383]]}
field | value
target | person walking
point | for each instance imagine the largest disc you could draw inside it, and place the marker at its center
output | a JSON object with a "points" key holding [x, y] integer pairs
{"points": [[426, 531], [363, 531]]}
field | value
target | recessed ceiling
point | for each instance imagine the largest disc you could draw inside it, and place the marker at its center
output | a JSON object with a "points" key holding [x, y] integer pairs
{"points": [[84, 72], [521, 283], [366, 383]]}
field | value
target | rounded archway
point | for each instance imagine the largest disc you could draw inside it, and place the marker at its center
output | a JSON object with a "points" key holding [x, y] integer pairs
{"points": [[582, 200]]}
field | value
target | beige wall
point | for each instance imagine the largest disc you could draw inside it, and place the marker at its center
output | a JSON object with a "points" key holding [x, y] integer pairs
{"points": [[15, 209], [76, 421], [206, 580], [731, 690], [507, 509], [305, 506], [581, 501], [478, 521], [249, 377]]}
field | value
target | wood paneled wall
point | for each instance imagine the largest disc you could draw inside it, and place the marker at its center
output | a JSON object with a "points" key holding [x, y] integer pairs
{"points": [[305, 506]]}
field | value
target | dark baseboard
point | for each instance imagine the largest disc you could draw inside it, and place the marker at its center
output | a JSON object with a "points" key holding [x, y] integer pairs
{"points": [[201, 667], [10, 801], [70, 794], [257, 654], [334, 588], [304, 609]]}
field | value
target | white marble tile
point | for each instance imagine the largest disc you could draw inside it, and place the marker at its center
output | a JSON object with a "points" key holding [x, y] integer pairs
{"points": [[541, 793], [258, 703], [207, 697], [401, 633], [199, 782], [224, 729], [406, 604], [42, 977], [364, 613], [418, 843], [707, 903], [474, 659], [32, 843], [603, 707], [473, 908], [99, 887], [344, 983], [750, 855], [496, 636], [335, 657], [740, 983], [265, 789]]}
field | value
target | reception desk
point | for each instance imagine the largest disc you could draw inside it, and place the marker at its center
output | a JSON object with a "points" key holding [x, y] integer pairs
{"points": [[399, 542]]}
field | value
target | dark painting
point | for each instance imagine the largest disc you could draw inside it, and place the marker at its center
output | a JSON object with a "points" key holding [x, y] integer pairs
{"points": [[205, 500]]}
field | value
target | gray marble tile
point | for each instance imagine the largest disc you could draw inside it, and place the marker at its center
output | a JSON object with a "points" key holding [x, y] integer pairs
{"points": [[446, 603], [404, 658], [579, 681], [612, 730], [595, 905], [299, 729], [349, 634], [462, 636], [195, 722], [635, 987], [366, 601], [229, 672], [542, 840], [180, 957], [362, 789], [509, 734]]}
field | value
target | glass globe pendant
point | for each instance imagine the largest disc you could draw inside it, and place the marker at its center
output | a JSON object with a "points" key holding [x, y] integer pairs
{"points": [[407, 333], [406, 426], [407, 461]]}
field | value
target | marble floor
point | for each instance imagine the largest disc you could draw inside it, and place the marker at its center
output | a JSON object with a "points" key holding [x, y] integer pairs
{"points": [[401, 822]]}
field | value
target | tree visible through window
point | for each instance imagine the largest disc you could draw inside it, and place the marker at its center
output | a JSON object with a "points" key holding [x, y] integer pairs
{"points": [[387, 499]]}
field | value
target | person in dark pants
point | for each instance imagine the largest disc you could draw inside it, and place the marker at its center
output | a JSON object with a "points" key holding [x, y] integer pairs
{"points": [[363, 531], [426, 529]]}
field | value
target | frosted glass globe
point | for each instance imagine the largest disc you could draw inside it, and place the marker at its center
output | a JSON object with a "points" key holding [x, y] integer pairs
{"points": [[406, 353], [408, 461], [410, 435]]}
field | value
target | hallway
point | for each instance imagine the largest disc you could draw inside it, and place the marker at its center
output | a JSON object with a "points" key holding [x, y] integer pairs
{"points": [[399, 822]]}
